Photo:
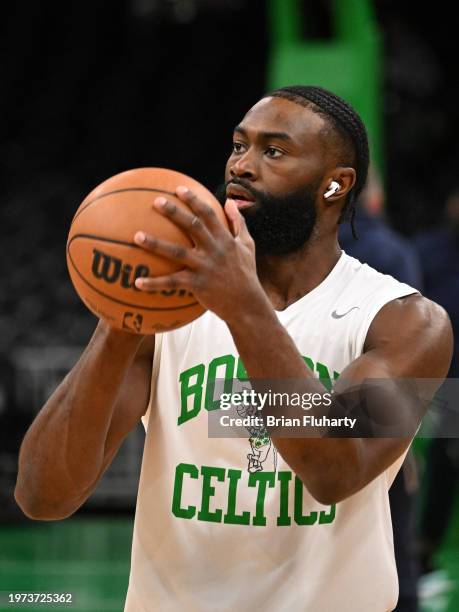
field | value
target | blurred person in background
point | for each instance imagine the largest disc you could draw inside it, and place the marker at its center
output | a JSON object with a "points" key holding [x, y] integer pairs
{"points": [[379, 245], [388, 252], [438, 249]]}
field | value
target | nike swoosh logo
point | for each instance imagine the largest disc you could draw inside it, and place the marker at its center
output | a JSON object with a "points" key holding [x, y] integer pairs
{"points": [[335, 315]]}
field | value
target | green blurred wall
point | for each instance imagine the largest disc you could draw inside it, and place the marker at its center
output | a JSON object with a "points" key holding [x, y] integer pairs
{"points": [[348, 64]]}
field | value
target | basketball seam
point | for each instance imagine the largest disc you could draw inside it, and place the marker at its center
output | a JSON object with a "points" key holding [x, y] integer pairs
{"points": [[108, 296], [103, 239], [104, 195]]}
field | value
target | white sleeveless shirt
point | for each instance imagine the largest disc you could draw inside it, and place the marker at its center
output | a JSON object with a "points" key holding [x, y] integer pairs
{"points": [[224, 524]]}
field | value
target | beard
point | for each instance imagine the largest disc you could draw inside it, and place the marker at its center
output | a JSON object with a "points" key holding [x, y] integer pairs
{"points": [[279, 225]]}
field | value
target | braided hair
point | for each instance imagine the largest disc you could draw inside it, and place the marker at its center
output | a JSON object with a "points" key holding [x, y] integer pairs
{"points": [[345, 125]]}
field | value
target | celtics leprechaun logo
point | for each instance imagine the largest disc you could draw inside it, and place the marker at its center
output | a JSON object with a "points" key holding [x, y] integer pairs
{"points": [[260, 442]]}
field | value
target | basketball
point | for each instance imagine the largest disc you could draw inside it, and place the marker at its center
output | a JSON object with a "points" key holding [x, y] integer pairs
{"points": [[104, 261]]}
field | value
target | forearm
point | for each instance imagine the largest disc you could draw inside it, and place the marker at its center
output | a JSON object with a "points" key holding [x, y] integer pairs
{"points": [[266, 349], [331, 468], [63, 451]]}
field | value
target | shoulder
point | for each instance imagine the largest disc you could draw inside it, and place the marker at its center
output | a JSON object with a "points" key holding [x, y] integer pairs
{"points": [[371, 289], [415, 330], [411, 312]]}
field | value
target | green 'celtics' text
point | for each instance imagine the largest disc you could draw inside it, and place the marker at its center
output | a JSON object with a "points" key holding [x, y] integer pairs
{"points": [[203, 505]]}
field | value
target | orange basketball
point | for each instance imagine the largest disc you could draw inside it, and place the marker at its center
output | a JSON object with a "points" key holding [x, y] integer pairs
{"points": [[104, 261]]}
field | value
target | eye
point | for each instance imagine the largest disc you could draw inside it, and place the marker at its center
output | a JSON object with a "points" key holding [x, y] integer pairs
{"points": [[238, 147], [273, 153]]}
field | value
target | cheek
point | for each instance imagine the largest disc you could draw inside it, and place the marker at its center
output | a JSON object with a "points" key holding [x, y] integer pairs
{"points": [[227, 169], [289, 177], [277, 181]]}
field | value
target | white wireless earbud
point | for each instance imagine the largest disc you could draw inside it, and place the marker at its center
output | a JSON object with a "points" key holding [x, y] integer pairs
{"points": [[333, 188]]}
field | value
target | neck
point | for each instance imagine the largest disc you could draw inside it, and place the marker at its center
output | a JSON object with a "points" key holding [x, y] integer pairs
{"points": [[287, 278]]}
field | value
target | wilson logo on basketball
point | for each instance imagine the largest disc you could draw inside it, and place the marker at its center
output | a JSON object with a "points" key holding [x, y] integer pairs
{"points": [[112, 270]]}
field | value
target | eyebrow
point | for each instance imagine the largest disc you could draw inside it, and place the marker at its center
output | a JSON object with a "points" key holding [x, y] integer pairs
{"points": [[266, 135]]}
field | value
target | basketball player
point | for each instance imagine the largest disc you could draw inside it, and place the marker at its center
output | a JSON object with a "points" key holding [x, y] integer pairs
{"points": [[261, 524]]}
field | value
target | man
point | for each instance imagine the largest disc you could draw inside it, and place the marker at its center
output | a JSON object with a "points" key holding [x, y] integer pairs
{"points": [[311, 529]]}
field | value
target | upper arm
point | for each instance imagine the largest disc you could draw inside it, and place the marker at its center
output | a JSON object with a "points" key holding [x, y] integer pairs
{"points": [[409, 339]]}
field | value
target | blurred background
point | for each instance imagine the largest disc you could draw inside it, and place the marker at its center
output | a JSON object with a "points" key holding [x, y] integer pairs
{"points": [[89, 89]]}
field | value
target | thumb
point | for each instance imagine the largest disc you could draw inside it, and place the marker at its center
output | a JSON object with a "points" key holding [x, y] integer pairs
{"points": [[234, 216], [236, 220]]}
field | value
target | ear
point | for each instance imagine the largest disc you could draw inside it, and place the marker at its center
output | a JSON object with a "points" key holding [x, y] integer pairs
{"points": [[338, 184]]}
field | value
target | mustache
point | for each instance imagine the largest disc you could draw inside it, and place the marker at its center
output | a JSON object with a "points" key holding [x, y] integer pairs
{"points": [[242, 183]]}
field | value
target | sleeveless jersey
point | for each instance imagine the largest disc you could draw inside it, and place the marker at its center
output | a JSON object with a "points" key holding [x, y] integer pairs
{"points": [[224, 524]]}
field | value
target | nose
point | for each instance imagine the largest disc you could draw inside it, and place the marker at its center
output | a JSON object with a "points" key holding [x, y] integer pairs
{"points": [[243, 167]]}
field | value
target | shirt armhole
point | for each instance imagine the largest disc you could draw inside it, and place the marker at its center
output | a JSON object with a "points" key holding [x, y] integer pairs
{"points": [[154, 377], [373, 309]]}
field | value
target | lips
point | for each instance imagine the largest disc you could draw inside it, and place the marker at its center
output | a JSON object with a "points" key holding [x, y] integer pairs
{"points": [[241, 196]]}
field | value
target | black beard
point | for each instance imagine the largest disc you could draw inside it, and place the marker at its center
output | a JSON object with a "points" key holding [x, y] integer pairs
{"points": [[279, 225]]}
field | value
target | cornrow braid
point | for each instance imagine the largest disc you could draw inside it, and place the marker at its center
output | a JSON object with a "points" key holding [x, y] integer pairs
{"points": [[349, 127]]}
